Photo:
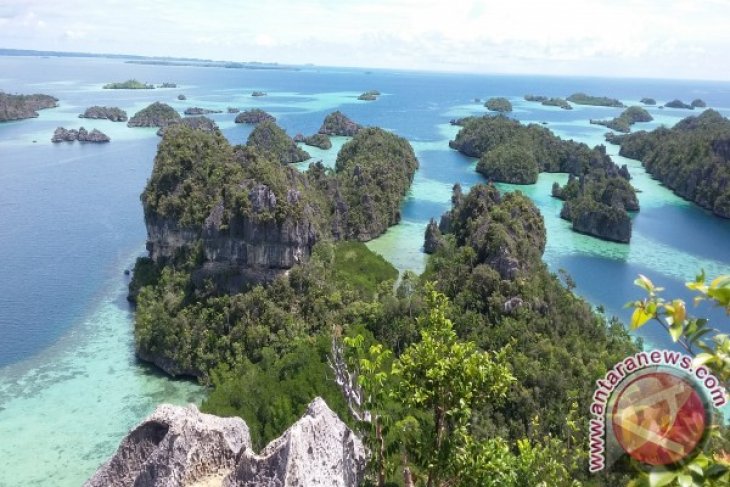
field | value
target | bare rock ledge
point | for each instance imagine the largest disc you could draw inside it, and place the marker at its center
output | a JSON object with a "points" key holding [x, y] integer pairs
{"points": [[182, 447]]}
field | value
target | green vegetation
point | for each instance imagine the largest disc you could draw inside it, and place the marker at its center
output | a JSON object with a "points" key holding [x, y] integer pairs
{"points": [[372, 187], [513, 153], [319, 140], [130, 84], [538, 98], [678, 104], [628, 117], [18, 107], [597, 101], [269, 138], [557, 102], [513, 164], [156, 115], [255, 115], [690, 158], [501, 105]]}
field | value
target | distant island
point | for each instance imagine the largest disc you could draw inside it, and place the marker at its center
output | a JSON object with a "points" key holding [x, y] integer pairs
{"points": [[676, 103], [691, 158], [82, 135], [370, 95], [130, 84], [596, 101], [698, 103], [317, 140], [200, 111], [182, 97], [337, 123], [110, 113], [628, 117], [648, 101], [155, 115], [168, 85], [598, 195], [201, 123], [498, 104], [549, 102], [258, 93], [19, 107], [255, 115]]}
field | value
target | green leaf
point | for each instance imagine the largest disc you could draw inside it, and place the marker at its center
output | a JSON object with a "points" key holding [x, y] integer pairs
{"points": [[639, 317], [660, 478], [702, 359], [685, 480], [675, 329], [644, 283]]}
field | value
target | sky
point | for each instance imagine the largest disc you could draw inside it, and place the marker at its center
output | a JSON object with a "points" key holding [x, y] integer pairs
{"points": [[687, 39]]}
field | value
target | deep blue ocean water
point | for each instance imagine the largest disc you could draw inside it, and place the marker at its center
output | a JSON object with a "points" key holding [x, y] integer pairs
{"points": [[71, 222]]}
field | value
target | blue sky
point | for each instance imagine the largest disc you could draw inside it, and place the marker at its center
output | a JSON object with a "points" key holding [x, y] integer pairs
{"points": [[641, 38]]}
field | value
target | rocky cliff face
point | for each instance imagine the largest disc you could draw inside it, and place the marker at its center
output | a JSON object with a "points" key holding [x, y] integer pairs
{"points": [[19, 107], [174, 446], [181, 447], [250, 249], [319, 449]]}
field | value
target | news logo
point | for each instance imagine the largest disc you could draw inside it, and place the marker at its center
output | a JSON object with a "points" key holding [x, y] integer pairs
{"points": [[654, 406]]}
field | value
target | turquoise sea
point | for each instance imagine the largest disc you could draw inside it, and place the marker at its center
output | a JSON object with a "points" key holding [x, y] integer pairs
{"points": [[71, 223]]}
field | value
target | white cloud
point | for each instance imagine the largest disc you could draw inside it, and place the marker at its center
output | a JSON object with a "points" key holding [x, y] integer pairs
{"points": [[618, 37]]}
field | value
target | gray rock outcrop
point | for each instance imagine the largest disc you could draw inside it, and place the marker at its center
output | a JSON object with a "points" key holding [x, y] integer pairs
{"points": [[432, 238], [182, 447], [317, 450], [82, 135], [175, 446]]}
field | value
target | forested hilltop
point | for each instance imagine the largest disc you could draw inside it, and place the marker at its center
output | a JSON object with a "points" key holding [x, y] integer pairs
{"points": [[257, 283], [598, 195], [692, 158]]}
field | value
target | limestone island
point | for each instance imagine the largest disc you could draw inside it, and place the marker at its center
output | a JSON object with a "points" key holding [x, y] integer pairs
{"points": [[156, 115], [676, 103], [689, 158], [317, 140], [272, 139], [168, 85], [196, 122], [499, 104], [370, 95], [20, 107], [130, 84], [648, 101], [200, 111], [182, 97], [109, 113], [628, 117], [596, 199], [258, 93], [255, 115], [82, 135], [595, 101], [698, 103], [537, 98], [337, 123], [557, 102]]}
